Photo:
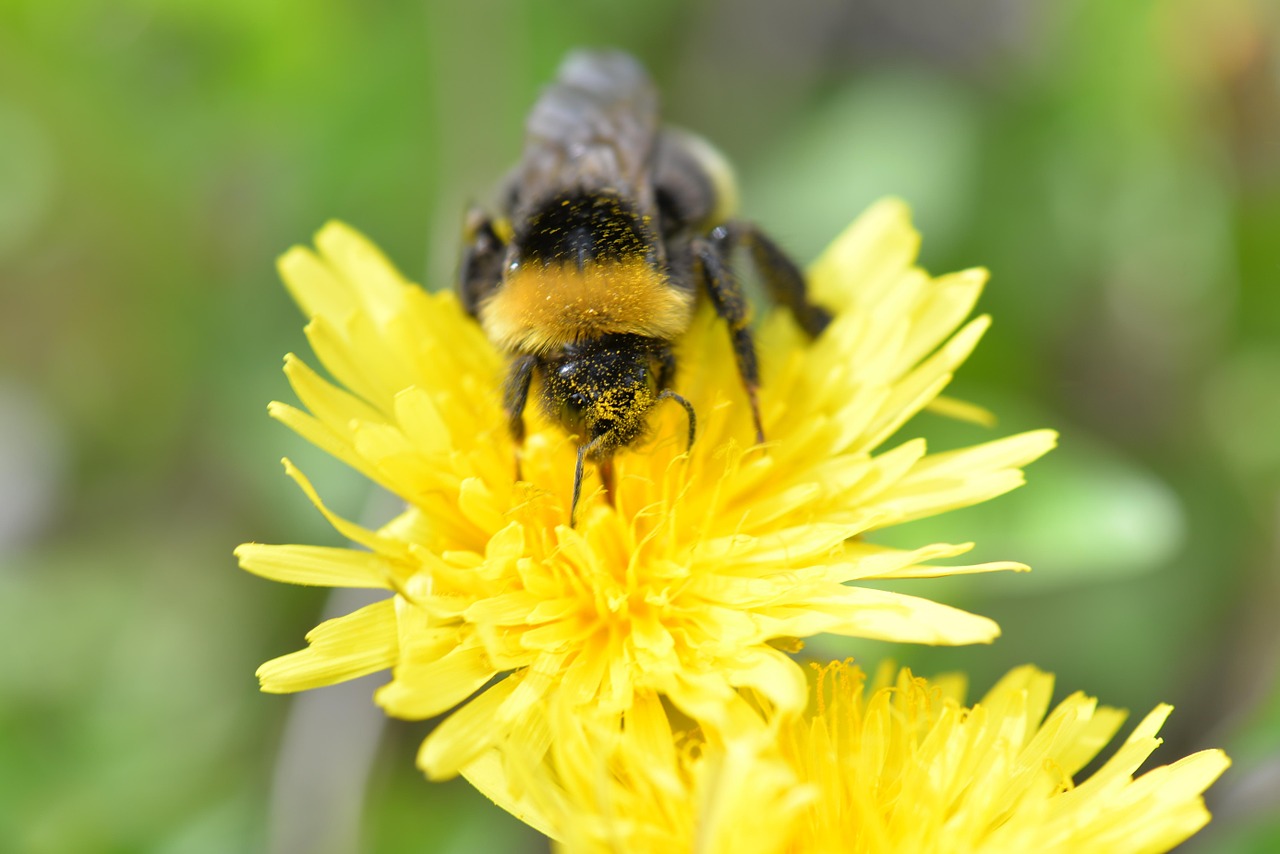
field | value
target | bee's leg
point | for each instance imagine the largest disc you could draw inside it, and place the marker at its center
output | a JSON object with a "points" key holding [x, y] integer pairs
{"points": [[666, 369], [779, 273], [730, 303], [604, 467], [666, 378], [514, 398], [480, 270]]}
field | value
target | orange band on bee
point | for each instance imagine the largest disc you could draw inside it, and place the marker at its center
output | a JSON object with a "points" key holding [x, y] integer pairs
{"points": [[541, 308]]}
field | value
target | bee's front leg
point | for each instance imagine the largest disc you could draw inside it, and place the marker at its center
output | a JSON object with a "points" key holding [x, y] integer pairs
{"points": [[515, 396], [731, 304]]}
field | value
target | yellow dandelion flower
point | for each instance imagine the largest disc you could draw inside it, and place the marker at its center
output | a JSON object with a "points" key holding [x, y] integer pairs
{"points": [[908, 768], [912, 769], [704, 561], [640, 787]]}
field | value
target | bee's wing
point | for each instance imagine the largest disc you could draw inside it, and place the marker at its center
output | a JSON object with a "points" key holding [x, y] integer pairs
{"points": [[593, 128]]}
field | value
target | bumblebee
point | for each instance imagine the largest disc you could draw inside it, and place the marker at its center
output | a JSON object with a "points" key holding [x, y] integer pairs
{"points": [[612, 227]]}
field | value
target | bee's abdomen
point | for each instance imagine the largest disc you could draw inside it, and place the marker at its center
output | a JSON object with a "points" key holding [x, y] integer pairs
{"points": [[694, 183]]}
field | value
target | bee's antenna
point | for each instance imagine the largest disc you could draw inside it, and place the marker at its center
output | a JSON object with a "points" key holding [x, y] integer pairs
{"points": [[583, 450], [577, 487], [688, 407]]}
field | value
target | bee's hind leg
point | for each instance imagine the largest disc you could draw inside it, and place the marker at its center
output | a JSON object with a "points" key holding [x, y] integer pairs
{"points": [[731, 304]]}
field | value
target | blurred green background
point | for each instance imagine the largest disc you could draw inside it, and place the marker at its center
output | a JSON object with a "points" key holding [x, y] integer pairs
{"points": [[1115, 164]]}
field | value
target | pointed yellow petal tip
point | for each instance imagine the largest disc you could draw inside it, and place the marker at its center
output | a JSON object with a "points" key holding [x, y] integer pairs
{"points": [[1215, 760], [337, 239], [340, 244], [962, 410], [890, 215], [1046, 438], [873, 252], [273, 675], [886, 219], [293, 258], [336, 229], [888, 208], [1151, 724]]}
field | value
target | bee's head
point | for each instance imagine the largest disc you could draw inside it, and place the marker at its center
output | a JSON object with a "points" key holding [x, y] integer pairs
{"points": [[602, 389]]}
